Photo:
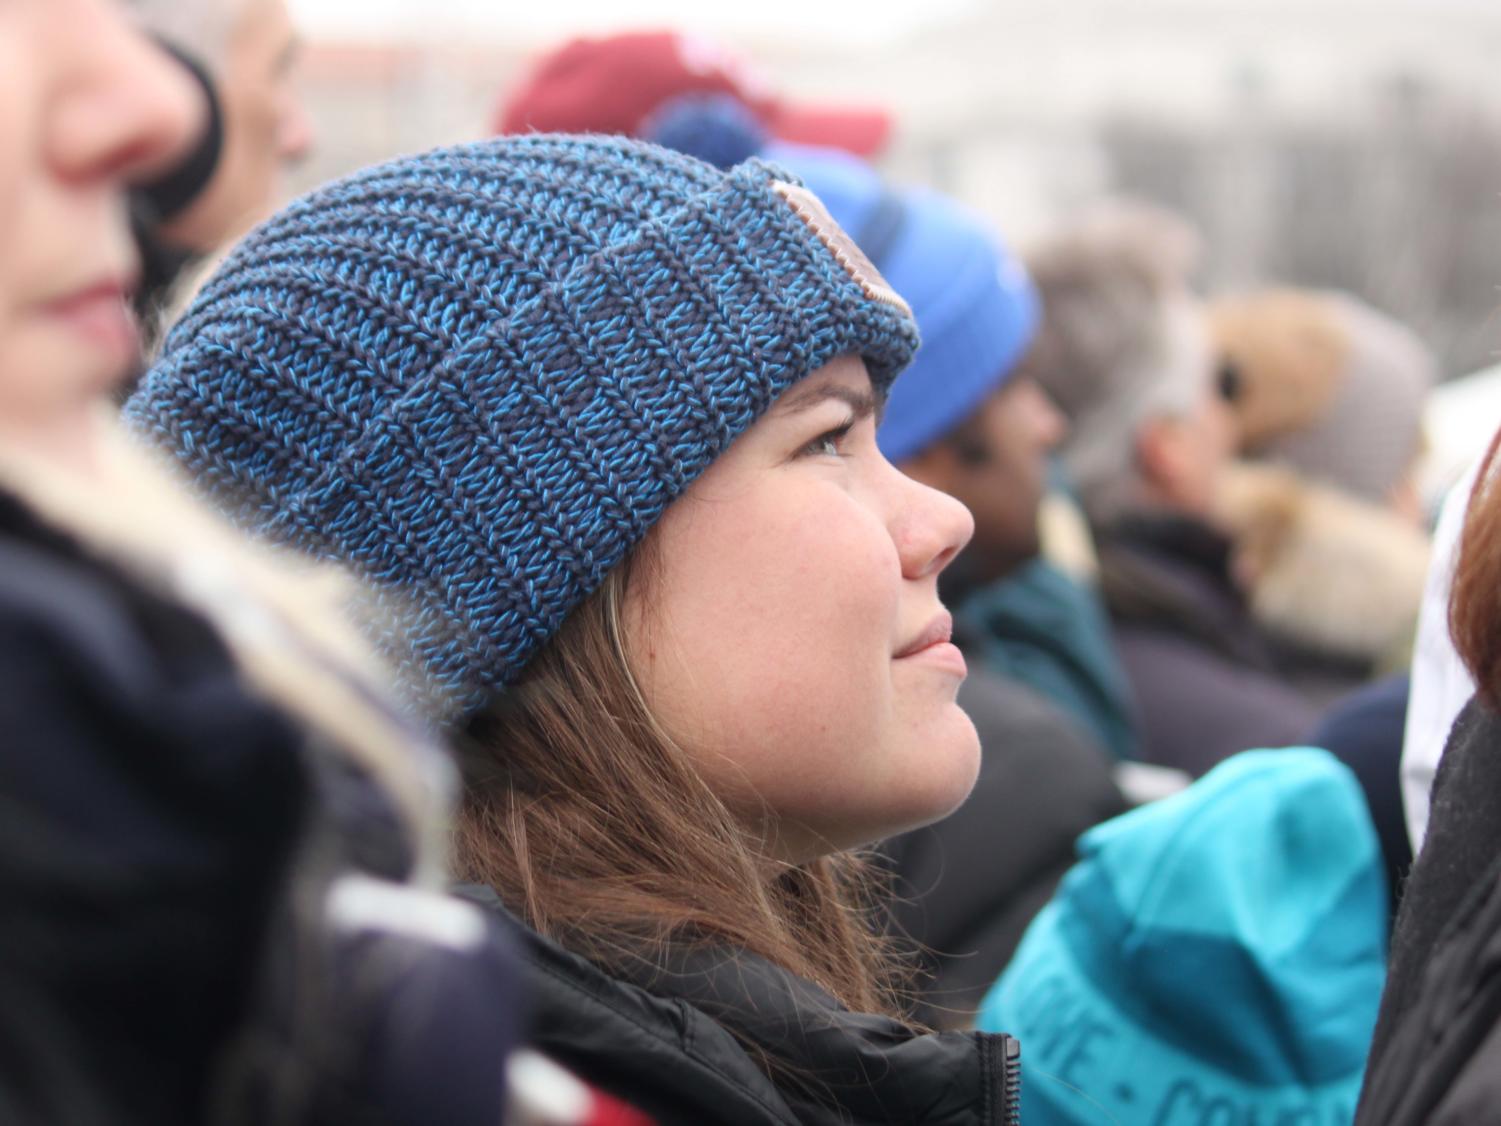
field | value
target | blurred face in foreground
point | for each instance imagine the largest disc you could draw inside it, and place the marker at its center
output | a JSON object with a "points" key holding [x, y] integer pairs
{"points": [[85, 104], [791, 639], [266, 130]]}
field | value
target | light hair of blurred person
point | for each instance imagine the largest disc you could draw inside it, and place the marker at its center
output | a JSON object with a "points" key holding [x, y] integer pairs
{"points": [[1330, 387], [250, 50], [1124, 351]]}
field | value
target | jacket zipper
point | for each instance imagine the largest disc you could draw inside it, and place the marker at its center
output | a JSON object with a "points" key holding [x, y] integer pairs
{"points": [[1006, 1076]]}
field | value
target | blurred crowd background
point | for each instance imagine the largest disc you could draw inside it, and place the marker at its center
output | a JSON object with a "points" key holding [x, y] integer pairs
{"points": [[1350, 144], [1184, 434]]}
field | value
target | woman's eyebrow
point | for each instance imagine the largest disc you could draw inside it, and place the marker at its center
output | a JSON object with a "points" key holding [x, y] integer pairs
{"points": [[863, 402]]}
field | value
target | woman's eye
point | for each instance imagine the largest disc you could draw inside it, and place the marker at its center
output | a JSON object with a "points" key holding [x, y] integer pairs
{"points": [[828, 444]]}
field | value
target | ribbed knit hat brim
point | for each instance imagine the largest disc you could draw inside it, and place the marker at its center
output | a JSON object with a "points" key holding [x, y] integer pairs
{"points": [[480, 375]]}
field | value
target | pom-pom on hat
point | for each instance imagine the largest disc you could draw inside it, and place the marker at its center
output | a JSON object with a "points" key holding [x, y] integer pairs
{"points": [[717, 128], [1216, 956], [480, 375]]}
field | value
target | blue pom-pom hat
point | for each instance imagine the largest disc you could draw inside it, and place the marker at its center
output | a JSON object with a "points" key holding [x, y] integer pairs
{"points": [[480, 375]]}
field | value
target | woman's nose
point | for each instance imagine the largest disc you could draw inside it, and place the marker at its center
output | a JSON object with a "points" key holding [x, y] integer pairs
{"points": [[931, 528], [124, 108]]}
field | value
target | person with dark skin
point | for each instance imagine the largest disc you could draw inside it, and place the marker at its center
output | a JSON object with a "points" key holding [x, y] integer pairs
{"points": [[969, 885], [996, 462]]}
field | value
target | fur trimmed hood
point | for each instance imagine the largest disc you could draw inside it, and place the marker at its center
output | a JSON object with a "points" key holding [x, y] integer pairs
{"points": [[1322, 569]]}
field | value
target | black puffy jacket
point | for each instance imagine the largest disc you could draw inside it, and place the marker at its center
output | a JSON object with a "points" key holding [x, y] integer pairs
{"points": [[675, 1046]]}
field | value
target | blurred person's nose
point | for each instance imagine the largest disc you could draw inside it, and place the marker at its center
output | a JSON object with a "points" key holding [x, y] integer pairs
{"points": [[124, 109], [296, 135], [1048, 424]]}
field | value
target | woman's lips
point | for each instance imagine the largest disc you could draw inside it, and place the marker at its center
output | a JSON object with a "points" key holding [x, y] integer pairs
{"points": [[944, 654], [100, 314], [939, 629], [933, 646]]}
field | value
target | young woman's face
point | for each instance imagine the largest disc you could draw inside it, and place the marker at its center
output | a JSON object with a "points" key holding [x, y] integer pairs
{"points": [[790, 637], [85, 103]]}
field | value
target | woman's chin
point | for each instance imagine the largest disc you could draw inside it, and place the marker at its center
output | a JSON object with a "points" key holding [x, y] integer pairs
{"points": [[943, 771], [950, 771]]}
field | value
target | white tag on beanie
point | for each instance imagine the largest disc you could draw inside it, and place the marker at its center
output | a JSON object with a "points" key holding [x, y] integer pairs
{"points": [[810, 209]]}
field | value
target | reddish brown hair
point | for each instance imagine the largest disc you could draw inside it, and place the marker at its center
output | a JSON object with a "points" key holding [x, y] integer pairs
{"points": [[1475, 600]]}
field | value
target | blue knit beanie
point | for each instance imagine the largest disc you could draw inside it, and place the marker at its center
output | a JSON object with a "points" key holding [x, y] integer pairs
{"points": [[718, 128], [1217, 956], [480, 375]]}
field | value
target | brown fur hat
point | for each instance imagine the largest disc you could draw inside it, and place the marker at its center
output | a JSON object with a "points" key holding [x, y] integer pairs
{"points": [[1332, 573]]}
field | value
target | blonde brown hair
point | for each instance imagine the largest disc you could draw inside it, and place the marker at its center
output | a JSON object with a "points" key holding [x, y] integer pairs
{"points": [[593, 826]]}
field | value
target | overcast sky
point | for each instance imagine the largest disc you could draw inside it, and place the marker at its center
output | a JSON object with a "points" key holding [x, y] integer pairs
{"points": [[850, 20]]}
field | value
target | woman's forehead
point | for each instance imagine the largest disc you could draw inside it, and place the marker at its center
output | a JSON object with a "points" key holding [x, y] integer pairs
{"points": [[844, 378]]}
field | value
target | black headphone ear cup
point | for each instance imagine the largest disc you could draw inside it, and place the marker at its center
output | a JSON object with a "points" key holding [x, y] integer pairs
{"points": [[171, 193]]}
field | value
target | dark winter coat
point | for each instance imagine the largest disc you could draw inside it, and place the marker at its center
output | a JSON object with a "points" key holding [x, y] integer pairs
{"points": [[1436, 1055], [150, 807], [1042, 628], [155, 819], [678, 1043], [1364, 731], [1206, 679]]}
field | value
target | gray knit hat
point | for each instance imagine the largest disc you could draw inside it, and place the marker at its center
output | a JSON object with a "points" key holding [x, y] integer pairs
{"points": [[1122, 340], [480, 375]]}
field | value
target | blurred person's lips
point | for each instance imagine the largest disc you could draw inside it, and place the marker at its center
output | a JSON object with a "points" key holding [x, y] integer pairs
{"points": [[100, 312], [933, 644]]}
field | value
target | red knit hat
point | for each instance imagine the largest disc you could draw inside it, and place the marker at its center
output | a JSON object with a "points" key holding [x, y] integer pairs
{"points": [[614, 84]]}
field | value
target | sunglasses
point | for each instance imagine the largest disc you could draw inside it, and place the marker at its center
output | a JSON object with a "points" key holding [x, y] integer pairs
{"points": [[1228, 380]]}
